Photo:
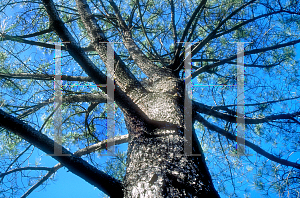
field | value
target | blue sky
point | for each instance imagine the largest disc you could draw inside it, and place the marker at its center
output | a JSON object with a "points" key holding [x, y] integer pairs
{"points": [[67, 184], [70, 185]]}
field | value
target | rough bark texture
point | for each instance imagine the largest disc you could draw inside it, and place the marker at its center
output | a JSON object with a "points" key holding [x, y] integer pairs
{"points": [[157, 166]]}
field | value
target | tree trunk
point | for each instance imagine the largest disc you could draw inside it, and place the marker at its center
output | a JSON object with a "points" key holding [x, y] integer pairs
{"points": [[156, 163]]}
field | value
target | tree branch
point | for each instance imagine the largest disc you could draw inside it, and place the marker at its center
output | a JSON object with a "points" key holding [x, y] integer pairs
{"points": [[100, 145], [24, 168], [145, 33], [76, 165], [15, 160], [201, 108], [245, 23], [44, 77], [119, 17], [20, 39], [130, 20], [100, 97], [126, 81], [177, 58], [254, 104], [247, 143], [173, 23], [37, 33], [73, 47], [213, 33], [124, 78], [143, 62], [92, 106], [235, 63], [255, 51], [40, 182], [194, 26]]}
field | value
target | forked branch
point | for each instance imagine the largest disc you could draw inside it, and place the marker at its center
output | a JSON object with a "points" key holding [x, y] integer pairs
{"points": [[75, 164], [87, 150]]}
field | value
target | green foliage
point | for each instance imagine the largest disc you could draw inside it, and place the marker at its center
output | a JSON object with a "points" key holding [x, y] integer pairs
{"points": [[9, 144], [116, 166], [258, 129], [262, 84]]}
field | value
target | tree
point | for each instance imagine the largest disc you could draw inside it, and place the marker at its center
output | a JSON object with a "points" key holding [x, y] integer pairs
{"points": [[151, 95]]}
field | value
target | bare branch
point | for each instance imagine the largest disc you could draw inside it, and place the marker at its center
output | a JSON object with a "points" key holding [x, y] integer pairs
{"points": [[40, 182], [143, 62], [75, 164], [186, 29], [194, 27], [15, 160], [246, 22], [92, 106], [235, 63], [255, 51], [255, 104], [87, 150], [296, 121], [119, 17], [199, 46], [102, 145], [126, 82], [103, 7], [37, 33], [258, 66], [130, 20], [173, 23], [24, 168], [214, 32], [20, 39], [201, 108], [247, 143], [44, 77], [124, 78], [73, 47], [145, 33], [100, 97]]}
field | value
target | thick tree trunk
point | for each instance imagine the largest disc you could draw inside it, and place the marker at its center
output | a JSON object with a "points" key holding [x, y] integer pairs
{"points": [[156, 164]]}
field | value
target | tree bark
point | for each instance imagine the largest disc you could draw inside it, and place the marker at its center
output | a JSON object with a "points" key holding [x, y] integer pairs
{"points": [[156, 163]]}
